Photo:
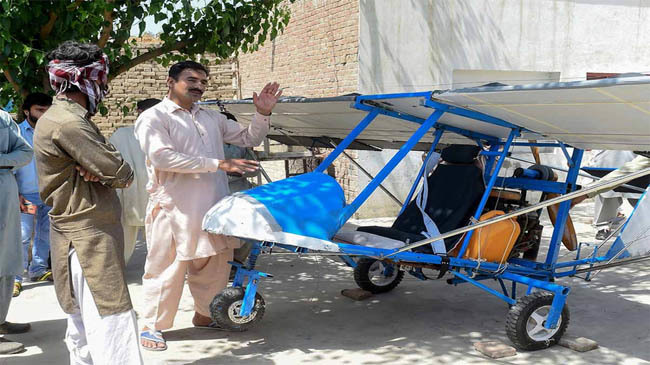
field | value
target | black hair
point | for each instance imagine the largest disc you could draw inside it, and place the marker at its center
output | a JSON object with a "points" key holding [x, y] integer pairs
{"points": [[36, 99], [177, 68], [80, 53], [145, 104]]}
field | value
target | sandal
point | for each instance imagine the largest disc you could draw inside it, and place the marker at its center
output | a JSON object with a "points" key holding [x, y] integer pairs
{"points": [[18, 287], [153, 336]]}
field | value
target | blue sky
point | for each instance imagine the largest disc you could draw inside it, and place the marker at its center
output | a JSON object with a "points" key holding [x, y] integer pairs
{"points": [[157, 28]]}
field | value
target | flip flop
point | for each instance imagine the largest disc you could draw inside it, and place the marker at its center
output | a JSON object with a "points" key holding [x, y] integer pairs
{"points": [[153, 336]]}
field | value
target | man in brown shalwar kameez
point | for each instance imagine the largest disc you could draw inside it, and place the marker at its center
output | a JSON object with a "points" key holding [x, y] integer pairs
{"points": [[78, 174]]}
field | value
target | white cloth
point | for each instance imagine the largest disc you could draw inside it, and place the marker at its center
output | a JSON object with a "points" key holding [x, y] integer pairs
{"points": [[606, 212], [613, 159], [421, 201], [6, 292], [134, 198], [92, 339]]}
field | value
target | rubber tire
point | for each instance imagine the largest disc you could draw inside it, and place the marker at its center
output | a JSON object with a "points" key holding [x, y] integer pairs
{"points": [[222, 302], [518, 316], [362, 278]]}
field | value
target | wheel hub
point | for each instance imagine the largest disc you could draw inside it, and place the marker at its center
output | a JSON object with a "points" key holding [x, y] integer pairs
{"points": [[535, 324], [235, 309], [377, 274]]}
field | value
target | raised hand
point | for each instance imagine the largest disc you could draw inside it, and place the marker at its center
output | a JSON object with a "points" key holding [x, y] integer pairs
{"points": [[265, 101]]}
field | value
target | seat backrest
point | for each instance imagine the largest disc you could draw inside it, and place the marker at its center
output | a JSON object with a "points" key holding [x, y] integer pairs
{"points": [[455, 189]]}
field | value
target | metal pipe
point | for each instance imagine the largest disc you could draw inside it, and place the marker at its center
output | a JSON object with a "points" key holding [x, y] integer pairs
{"points": [[631, 187], [355, 163], [365, 122], [613, 264], [574, 194], [488, 188], [390, 165]]}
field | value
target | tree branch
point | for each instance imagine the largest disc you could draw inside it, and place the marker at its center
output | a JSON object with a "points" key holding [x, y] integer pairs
{"points": [[13, 83], [125, 29], [47, 28], [151, 54], [106, 31]]}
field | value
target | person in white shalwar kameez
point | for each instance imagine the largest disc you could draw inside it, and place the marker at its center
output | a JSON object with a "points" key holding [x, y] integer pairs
{"points": [[183, 145], [608, 203]]}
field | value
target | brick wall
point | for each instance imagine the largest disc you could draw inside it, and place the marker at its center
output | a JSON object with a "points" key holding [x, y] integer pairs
{"points": [[316, 55], [148, 80]]}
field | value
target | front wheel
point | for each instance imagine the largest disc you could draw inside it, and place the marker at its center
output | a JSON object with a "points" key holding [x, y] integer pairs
{"points": [[526, 319], [226, 306], [376, 276]]}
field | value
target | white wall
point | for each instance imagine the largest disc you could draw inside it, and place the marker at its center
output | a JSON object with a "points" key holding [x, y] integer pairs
{"points": [[410, 45], [416, 45]]}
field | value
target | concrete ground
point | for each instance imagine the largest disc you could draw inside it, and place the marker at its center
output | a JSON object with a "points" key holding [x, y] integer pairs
{"points": [[308, 321]]}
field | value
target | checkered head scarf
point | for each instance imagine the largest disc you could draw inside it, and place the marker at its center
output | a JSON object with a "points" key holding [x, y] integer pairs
{"points": [[64, 73]]}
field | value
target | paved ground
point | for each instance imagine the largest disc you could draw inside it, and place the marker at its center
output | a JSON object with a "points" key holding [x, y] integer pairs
{"points": [[307, 320]]}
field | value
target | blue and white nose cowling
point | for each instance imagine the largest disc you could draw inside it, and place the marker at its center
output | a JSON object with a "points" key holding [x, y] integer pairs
{"points": [[303, 210]]}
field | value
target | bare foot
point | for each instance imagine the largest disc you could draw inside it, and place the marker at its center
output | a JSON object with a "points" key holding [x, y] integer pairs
{"points": [[151, 344], [201, 320]]}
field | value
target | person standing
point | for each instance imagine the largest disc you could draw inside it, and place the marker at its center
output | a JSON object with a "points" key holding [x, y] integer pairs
{"points": [[78, 172], [34, 220], [183, 145], [14, 153], [607, 216], [134, 198]]}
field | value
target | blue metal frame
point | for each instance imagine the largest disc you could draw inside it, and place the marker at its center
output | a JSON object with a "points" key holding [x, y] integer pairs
{"points": [[392, 163], [506, 148], [535, 275], [563, 211]]}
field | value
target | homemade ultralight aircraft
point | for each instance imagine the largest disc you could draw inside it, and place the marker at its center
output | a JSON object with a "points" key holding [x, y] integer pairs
{"points": [[467, 221]]}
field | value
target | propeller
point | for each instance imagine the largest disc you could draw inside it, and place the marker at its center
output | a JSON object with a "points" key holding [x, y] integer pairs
{"points": [[569, 237]]}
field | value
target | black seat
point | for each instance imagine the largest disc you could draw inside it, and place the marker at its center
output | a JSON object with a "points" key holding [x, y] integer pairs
{"points": [[455, 189]]}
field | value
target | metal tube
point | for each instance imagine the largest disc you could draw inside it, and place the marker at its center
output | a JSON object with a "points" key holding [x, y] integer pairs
{"points": [[574, 194], [613, 264], [505, 298], [488, 188], [355, 163], [632, 187], [348, 140], [392, 163]]}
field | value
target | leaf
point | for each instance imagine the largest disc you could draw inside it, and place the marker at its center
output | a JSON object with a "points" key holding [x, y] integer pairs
{"points": [[142, 26], [39, 57]]}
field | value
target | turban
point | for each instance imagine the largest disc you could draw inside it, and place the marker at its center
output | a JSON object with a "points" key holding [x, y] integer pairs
{"points": [[64, 73]]}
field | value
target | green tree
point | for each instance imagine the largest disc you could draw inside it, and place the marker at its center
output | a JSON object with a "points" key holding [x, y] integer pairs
{"points": [[29, 29]]}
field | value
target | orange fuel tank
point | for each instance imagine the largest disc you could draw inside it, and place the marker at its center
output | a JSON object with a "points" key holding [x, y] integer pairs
{"points": [[494, 242]]}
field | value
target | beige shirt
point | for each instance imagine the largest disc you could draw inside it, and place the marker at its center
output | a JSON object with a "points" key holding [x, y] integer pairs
{"points": [[85, 215], [183, 149]]}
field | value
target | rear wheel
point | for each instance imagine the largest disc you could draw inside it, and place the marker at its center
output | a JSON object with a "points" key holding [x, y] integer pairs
{"points": [[376, 276], [526, 319]]}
